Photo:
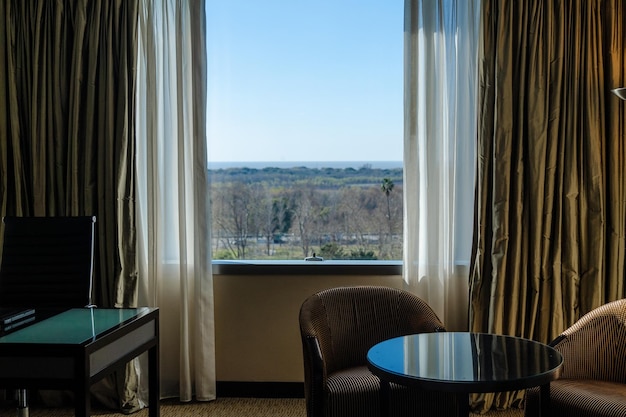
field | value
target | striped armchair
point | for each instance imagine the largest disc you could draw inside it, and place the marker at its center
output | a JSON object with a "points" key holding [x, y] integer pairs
{"points": [[593, 382], [338, 326]]}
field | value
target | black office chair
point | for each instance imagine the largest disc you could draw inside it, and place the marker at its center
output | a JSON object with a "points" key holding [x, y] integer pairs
{"points": [[47, 263]]}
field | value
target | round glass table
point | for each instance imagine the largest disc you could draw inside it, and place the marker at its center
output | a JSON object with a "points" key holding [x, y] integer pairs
{"points": [[465, 363]]}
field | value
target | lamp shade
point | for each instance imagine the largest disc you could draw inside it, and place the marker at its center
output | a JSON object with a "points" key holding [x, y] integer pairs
{"points": [[620, 92]]}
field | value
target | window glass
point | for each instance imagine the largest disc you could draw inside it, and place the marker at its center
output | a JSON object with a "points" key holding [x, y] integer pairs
{"points": [[304, 126]]}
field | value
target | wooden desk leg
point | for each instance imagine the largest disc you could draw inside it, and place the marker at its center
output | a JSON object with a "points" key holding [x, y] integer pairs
{"points": [[82, 403], [154, 388], [82, 398], [462, 404], [544, 400]]}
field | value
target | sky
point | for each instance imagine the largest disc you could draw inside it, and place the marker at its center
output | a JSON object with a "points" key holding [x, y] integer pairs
{"points": [[295, 80]]}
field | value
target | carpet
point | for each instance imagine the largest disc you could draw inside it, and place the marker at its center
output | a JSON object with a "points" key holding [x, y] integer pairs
{"points": [[222, 407]]}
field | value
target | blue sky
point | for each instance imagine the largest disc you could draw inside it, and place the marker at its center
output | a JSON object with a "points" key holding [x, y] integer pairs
{"points": [[305, 81]]}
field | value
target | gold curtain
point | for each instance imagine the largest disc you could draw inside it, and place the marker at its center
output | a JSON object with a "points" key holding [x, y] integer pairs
{"points": [[551, 184], [67, 89]]}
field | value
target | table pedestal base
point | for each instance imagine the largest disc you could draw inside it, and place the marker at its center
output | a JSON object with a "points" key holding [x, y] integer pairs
{"points": [[462, 404]]}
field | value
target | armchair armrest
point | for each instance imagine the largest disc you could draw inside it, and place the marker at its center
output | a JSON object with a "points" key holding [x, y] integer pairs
{"points": [[315, 376]]}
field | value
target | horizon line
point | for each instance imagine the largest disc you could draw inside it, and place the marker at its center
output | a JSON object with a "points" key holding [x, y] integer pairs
{"points": [[308, 164]]}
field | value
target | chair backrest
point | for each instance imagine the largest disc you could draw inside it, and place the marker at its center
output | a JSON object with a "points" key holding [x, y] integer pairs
{"points": [[47, 262], [601, 335], [347, 321]]}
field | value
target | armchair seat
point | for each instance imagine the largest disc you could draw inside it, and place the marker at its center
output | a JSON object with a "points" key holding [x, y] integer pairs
{"points": [[582, 398], [356, 391]]}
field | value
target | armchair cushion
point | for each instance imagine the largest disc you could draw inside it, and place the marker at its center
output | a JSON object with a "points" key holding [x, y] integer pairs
{"points": [[581, 398], [356, 392], [353, 391]]}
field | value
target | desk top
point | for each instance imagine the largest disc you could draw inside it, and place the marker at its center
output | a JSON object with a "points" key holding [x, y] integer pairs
{"points": [[74, 327], [465, 362]]}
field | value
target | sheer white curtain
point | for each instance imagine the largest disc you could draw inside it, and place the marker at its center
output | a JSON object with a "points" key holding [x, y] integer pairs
{"points": [[173, 204], [441, 41]]}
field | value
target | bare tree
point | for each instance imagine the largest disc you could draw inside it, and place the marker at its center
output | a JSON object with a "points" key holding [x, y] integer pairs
{"points": [[309, 214], [236, 218]]}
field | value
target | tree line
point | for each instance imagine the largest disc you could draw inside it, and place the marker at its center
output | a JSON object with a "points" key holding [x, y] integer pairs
{"points": [[292, 213]]}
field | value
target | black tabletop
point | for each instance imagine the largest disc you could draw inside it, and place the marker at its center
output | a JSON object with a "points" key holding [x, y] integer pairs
{"points": [[465, 362]]}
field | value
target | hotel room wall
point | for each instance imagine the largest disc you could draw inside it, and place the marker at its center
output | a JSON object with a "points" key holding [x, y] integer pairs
{"points": [[257, 333]]}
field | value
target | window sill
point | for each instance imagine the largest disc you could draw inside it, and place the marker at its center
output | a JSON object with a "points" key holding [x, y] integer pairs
{"points": [[223, 267]]}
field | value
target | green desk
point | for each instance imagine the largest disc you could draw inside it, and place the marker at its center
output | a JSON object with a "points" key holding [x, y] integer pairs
{"points": [[77, 347]]}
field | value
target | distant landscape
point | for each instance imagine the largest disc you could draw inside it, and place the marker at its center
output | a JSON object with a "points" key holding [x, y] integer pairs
{"points": [[335, 212]]}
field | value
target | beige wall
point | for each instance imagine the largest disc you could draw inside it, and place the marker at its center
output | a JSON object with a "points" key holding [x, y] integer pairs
{"points": [[257, 334]]}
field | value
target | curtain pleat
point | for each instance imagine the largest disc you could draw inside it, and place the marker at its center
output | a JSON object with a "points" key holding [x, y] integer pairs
{"points": [[549, 210], [173, 190], [66, 130], [441, 40]]}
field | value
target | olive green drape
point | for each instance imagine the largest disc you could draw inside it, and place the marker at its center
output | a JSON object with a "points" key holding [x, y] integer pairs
{"points": [[67, 124], [550, 214]]}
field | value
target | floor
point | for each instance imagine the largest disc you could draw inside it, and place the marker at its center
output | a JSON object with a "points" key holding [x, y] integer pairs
{"points": [[222, 407]]}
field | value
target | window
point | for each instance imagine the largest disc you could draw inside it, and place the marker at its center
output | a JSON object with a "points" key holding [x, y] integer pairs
{"points": [[305, 127]]}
